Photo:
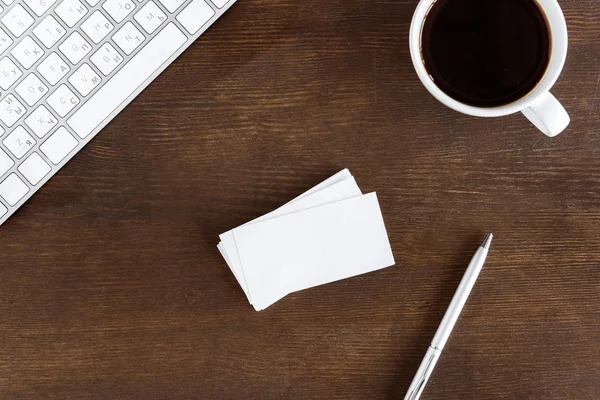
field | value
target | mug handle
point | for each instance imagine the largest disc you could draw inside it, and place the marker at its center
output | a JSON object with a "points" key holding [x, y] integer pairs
{"points": [[547, 114]]}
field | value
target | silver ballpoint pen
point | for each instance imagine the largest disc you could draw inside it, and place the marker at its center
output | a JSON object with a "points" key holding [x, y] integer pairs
{"points": [[448, 322]]}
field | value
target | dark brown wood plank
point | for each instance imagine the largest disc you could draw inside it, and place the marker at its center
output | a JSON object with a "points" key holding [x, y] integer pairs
{"points": [[111, 286]]}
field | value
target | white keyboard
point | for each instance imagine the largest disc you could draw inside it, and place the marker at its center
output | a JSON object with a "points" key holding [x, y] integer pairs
{"points": [[68, 67]]}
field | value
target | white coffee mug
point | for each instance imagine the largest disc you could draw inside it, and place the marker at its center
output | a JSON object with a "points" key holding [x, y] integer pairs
{"points": [[539, 105]]}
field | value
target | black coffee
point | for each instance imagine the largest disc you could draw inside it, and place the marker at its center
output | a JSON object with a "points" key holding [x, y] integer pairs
{"points": [[486, 53]]}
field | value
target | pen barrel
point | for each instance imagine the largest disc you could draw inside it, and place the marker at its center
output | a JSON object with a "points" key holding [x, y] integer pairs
{"points": [[460, 298], [423, 373]]}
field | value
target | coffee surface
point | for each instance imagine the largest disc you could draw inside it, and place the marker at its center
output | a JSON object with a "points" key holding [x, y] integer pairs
{"points": [[486, 53]]}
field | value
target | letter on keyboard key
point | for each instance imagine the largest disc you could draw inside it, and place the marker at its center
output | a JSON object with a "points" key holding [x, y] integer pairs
{"points": [[118, 9], [97, 27], [11, 110], [6, 162], [9, 73], [84, 80], [59, 145], [71, 11], [13, 189], [106, 59], [128, 38], [31, 89], [17, 20], [195, 15], [49, 31], [63, 100], [34, 169], [41, 121], [122, 85], [75, 48], [53, 68], [27, 52], [19, 142], [150, 17]]}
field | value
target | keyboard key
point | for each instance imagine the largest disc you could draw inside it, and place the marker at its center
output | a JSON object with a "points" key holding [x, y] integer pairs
{"points": [[31, 89], [150, 17], [133, 74], [19, 142], [3, 210], [63, 100], [41, 121], [6, 162], [9, 73], [34, 168], [13, 189], [5, 41], [220, 3], [39, 7], [27, 52], [128, 38], [71, 12], [11, 110], [17, 20], [53, 69], [106, 59], [49, 31], [75, 48], [172, 5], [97, 27], [118, 9], [59, 145], [195, 15], [84, 80]]}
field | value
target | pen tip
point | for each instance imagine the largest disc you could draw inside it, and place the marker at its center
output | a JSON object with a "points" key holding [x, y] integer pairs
{"points": [[487, 241]]}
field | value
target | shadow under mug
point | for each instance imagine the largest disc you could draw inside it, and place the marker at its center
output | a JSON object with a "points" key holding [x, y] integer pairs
{"points": [[539, 105]]}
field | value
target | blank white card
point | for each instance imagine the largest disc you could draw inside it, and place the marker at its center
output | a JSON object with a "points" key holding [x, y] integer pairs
{"points": [[336, 191], [312, 247]]}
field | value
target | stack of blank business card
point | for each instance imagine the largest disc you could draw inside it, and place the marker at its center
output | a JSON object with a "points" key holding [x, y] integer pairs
{"points": [[329, 233]]}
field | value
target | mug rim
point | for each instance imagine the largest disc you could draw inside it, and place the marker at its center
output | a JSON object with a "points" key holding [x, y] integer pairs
{"points": [[557, 28]]}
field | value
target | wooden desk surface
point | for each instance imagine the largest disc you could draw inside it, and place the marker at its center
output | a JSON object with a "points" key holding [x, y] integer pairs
{"points": [[111, 286]]}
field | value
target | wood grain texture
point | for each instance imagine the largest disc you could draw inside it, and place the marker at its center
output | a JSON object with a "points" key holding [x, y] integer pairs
{"points": [[111, 286]]}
